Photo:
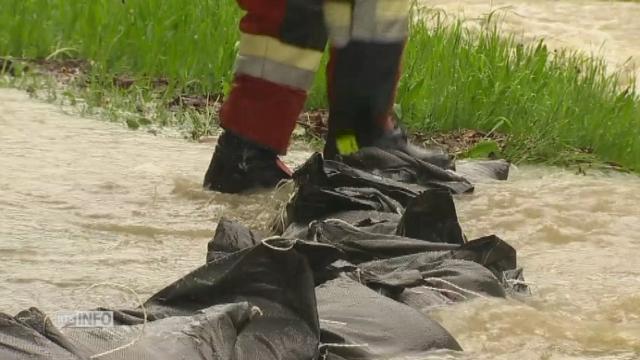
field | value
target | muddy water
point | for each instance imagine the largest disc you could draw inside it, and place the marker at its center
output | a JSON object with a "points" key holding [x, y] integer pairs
{"points": [[609, 29], [86, 202], [578, 239]]}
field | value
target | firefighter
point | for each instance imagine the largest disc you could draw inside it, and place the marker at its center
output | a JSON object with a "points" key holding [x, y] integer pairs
{"points": [[281, 46]]}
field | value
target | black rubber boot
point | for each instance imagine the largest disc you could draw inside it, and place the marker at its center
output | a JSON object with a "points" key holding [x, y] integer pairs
{"points": [[392, 140], [238, 165], [397, 140]]}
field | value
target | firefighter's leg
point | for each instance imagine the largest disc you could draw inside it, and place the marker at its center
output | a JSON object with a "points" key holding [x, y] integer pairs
{"points": [[280, 49], [367, 41]]}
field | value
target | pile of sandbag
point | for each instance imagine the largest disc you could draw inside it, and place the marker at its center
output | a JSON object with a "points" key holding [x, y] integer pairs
{"points": [[362, 249]]}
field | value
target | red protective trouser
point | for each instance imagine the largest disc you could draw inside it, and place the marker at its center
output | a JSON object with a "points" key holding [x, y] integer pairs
{"points": [[280, 51]]}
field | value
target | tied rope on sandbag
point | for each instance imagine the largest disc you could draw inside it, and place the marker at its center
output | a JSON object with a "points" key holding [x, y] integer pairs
{"points": [[144, 313], [266, 242], [460, 288]]}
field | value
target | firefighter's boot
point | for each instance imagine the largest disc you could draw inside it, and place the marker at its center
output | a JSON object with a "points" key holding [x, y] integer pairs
{"points": [[238, 166]]}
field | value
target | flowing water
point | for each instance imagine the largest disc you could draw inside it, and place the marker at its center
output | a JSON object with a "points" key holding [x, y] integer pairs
{"points": [[578, 239], [86, 202], [609, 29]]}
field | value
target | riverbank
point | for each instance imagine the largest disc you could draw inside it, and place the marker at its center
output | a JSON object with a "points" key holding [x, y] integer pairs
{"points": [[170, 66]]}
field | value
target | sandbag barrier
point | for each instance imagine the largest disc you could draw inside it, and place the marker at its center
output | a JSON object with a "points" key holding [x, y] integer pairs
{"points": [[361, 250]]}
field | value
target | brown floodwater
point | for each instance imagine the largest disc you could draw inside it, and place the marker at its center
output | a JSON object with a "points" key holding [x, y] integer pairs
{"points": [[609, 29], [84, 201]]}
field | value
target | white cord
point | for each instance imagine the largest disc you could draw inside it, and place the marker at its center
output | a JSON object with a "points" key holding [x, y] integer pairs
{"points": [[443, 281]]}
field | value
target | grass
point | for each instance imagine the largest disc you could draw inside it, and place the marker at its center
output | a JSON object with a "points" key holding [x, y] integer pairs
{"points": [[190, 42], [555, 106]]}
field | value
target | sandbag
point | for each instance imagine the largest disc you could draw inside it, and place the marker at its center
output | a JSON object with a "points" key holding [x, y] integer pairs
{"points": [[362, 246], [427, 240], [491, 252], [376, 222], [32, 335], [230, 237], [247, 305], [431, 216], [373, 326], [399, 166], [327, 187]]}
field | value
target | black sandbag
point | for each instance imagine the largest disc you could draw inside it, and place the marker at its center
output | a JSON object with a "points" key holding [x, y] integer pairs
{"points": [[328, 187], [277, 270], [318, 195], [490, 251], [444, 273], [373, 326], [433, 154], [231, 236], [371, 221], [32, 335], [399, 166], [424, 299], [467, 279], [486, 266], [208, 334], [248, 305], [431, 216], [366, 220], [312, 202], [227, 238], [359, 246], [276, 278], [482, 170], [294, 230], [329, 173]]}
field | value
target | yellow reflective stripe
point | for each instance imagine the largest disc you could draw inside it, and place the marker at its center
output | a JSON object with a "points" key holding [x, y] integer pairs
{"points": [[347, 144], [275, 50], [337, 13], [392, 9]]}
